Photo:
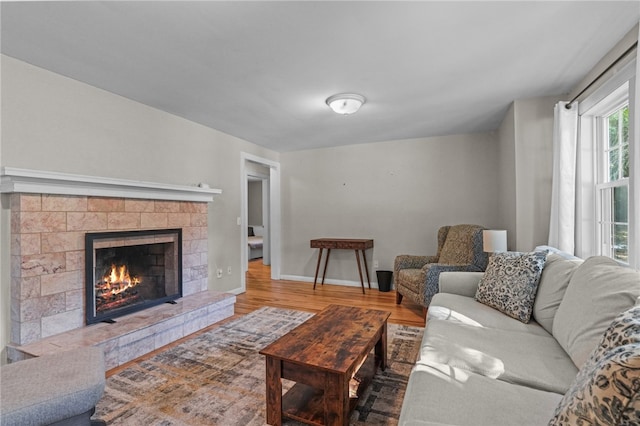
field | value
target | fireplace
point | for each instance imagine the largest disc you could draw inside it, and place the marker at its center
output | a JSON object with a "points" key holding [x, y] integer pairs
{"points": [[130, 271]]}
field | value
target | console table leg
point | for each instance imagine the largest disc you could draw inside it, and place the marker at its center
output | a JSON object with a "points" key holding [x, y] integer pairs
{"points": [[317, 268], [366, 268], [326, 262], [360, 271]]}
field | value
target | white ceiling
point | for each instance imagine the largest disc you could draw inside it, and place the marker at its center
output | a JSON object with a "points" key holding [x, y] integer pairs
{"points": [[262, 70]]}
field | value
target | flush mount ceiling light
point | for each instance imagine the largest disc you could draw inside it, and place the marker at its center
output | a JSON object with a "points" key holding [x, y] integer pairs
{"points": [[345, 103]]}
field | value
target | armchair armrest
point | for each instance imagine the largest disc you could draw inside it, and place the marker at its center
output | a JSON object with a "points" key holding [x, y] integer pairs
{"points": [[462, 283], [407, 261]]}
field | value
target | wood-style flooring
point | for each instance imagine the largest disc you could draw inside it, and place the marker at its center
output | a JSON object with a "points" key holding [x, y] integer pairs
{"points": [[263, 291]]}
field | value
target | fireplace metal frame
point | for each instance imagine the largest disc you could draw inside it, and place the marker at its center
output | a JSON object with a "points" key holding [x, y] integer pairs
{"points": [[92, 318]]}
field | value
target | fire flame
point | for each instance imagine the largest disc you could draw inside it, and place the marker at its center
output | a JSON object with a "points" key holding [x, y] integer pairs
{"points": [[118, 280]]}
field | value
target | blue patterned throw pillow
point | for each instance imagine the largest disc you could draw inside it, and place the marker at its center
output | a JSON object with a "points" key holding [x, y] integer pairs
{"points": [[606, 390], [511, 281]]}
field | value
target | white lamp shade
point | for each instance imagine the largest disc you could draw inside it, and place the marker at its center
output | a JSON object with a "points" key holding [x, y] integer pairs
{"points": [[494, 240], [345, 103]]}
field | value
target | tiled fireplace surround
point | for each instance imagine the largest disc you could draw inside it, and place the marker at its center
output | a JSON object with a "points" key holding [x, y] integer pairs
{"points": [[47, 275]]}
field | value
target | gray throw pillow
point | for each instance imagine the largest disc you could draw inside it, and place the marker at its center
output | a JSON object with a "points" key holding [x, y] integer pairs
{"points": [[510, 283], [607, 388]]}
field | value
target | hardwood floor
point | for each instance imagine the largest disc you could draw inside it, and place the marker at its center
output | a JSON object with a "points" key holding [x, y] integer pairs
{"points": [[262, 291]]}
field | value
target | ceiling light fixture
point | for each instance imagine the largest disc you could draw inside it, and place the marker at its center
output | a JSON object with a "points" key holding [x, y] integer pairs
{"points": [[345, 103]]}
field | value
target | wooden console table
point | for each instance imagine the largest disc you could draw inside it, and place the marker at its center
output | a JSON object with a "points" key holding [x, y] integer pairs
{"points": [[359, 245]]}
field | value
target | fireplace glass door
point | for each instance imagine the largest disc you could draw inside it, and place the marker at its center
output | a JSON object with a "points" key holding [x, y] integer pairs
{"points": [[130, 271]]}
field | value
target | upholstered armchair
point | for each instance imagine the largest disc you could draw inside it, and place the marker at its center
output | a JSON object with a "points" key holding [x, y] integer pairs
{"points": [[459, 249]]}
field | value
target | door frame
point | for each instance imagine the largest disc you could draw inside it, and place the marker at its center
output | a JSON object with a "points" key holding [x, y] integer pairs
{"points": [[273, 228]]}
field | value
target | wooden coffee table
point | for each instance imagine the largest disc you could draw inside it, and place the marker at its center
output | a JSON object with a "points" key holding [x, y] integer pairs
{"points": [[323, 356]]}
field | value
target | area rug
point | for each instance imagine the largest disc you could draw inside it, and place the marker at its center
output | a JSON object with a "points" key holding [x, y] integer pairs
{"points": [[218, 377]]}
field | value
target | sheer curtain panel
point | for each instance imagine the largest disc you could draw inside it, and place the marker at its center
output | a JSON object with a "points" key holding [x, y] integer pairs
{"points": [[563, 190]]}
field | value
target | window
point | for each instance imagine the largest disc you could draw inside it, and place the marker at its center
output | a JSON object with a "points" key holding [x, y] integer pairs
{"points": [[608, 215], [612, 188]]}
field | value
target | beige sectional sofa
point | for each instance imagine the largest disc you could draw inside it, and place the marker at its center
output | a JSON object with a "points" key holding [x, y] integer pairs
{"points": [[480, 366]]}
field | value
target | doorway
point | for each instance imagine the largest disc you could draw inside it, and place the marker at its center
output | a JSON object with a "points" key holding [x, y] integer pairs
{"points": [[258, 216], [267, 175]]}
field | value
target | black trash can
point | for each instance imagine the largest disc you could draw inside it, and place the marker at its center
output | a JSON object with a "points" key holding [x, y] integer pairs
{"points": [[384, 280]]}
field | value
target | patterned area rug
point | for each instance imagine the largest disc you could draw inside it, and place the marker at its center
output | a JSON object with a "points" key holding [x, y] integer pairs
{"points": [[218, 377]]}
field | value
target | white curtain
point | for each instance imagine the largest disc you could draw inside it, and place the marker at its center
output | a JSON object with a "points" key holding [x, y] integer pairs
{"points": [[563, 190]]}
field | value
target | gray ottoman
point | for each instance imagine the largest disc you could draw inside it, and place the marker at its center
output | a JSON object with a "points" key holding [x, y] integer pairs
{"points": [[60, 389]]}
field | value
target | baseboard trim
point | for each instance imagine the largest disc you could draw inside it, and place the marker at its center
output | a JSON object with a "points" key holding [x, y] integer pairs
{"points": [[327, 281], [237, 291]]}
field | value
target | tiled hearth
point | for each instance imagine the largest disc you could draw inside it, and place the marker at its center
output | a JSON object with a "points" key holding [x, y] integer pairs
{"points": [[47, 272], [139, 333]]}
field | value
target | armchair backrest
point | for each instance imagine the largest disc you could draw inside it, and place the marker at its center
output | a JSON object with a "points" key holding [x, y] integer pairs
{"points": [[461, 245], [442, 237]]}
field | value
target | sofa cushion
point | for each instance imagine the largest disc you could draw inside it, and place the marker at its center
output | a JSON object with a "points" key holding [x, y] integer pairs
{"points": [[553, 284], [598, 291], [442, 394], [461, 283], [521, 358], [466, 310], [510, 283], [607, 388]]}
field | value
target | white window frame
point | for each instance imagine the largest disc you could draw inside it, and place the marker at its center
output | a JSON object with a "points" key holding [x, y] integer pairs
{"points": [[610, 96], [604, 186]]}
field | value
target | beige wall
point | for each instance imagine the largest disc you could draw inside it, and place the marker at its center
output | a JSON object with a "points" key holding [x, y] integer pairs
{"points": [[5, 277], [53, 123], [398, 193], [254, 205], [533, 165], [526, 142], [254, 193], [507, 181]]}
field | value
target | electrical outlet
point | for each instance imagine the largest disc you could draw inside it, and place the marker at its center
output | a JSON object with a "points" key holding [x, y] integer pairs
{"points": [[219, 273], [376, 264], [229, 270]]}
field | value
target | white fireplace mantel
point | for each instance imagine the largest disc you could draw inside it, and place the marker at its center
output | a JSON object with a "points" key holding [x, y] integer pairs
{"points": [[43, 182]]}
